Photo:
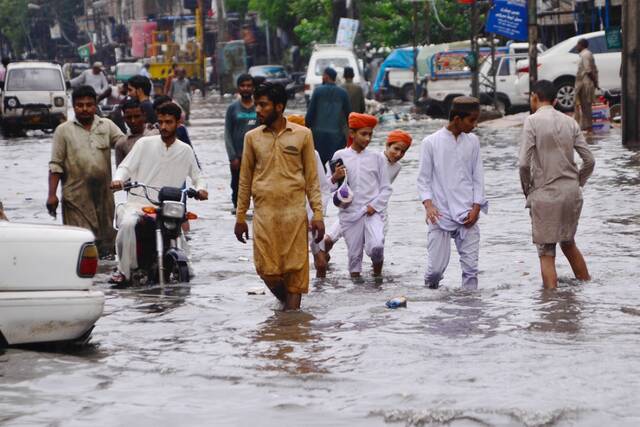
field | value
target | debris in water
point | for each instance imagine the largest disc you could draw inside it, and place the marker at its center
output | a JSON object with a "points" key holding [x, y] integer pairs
{"points": [[256, 291], [397, 302]]}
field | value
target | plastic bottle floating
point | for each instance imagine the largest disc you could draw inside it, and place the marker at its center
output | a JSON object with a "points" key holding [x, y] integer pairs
{"points": [[397, 302]]}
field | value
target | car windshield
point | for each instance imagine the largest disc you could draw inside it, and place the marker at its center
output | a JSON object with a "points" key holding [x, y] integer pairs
{"points": [[562, 46], [269, 72], [34, 79], [337, 64]]}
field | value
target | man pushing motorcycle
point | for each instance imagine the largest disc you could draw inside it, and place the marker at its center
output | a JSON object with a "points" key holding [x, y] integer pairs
{"points": [[157, 161]]}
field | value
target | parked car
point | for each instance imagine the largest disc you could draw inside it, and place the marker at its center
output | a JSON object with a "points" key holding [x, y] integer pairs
{"points": [[451, 77], [559, 65], [275, 74], [33, 97], [508, 99], [336, 57], [46, 291]]}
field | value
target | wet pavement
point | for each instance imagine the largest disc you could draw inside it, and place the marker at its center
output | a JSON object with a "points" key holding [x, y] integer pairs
{"points": [[509, 354]]}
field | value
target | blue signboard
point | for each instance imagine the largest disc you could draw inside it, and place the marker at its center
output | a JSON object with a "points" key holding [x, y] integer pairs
{"points": [[508, 18]]}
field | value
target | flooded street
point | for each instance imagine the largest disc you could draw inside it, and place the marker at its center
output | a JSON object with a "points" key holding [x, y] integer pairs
{"points": [[510, 354]]}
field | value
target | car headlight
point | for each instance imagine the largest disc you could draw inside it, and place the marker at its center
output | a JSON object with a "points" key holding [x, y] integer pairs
{"points": [[58, 101], [12, 102], [173, 210]]}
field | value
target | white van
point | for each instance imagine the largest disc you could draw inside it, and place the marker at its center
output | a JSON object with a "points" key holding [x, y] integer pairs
{"points": [[336, 57], [33, 97]]}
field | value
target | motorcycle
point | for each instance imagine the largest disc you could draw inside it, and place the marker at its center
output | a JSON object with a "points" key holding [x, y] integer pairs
{"points": [[161, 256]]}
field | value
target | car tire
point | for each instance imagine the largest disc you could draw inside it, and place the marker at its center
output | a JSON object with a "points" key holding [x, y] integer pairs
{"points": [[407, 92], [566, 90], [503, 105]]}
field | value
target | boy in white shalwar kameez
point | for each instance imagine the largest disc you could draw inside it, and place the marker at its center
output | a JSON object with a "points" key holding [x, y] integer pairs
{"points": [[317, 249], [398, 143], [451, 188], [362, 222]]}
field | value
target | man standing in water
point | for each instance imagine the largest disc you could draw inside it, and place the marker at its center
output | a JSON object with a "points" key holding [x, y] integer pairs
{"points": [[279, 171], [552, 182], [81, 159], [239, 119], [355, 92], [328, 115], [586, 85]]}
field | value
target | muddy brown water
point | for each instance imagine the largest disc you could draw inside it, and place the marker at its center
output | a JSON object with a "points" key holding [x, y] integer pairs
{"points": [[509, 354]]}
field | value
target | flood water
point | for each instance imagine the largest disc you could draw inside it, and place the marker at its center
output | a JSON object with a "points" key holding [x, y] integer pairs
{"points": [[509, 354]]}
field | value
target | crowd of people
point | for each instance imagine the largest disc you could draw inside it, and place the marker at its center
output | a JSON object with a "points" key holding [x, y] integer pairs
{"points": [[293, 167]]}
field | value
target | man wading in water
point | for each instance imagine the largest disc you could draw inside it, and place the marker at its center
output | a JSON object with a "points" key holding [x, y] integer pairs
{"points": [[552, 182], [278, 170]]}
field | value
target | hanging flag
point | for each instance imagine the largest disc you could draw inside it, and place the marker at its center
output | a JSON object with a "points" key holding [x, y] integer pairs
{"points": [[86, 50]]}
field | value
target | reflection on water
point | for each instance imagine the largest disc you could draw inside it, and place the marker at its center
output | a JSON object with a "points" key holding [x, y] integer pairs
{"points": [[510, 354], [560, 310]]}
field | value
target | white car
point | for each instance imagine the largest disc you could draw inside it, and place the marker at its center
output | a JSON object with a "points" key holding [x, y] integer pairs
{"points": [[336, 57], [507, 97], [33, 97], [560, 64], [46, 287]]}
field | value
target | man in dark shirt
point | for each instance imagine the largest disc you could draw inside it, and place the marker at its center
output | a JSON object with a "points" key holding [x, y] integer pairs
{"points": [[355, 92], [240, 118], [140, 89], [134, 117], [327, 116]]}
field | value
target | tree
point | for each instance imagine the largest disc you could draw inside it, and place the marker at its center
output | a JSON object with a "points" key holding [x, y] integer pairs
{"points": [[13, 22]]}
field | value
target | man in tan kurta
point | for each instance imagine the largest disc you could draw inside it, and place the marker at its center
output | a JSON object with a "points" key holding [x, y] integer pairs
{"points": [[81, 159], [552, 182], [278, 170], [586, 84]]}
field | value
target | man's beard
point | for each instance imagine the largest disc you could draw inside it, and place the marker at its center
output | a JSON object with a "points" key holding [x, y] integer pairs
{"points": [[166, 135], [268, 121], [246, 96], [85, 120]]}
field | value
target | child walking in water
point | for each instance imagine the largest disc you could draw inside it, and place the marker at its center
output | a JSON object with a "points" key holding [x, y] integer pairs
{"points": [[451, 188], [398, 143], [362, 222]]}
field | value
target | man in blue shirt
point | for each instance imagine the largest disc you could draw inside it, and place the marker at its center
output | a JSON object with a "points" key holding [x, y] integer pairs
{"points": [[240, 118]]}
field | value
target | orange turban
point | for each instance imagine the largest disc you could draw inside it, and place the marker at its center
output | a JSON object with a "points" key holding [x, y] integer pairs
{"points": [[398, 135], [357, 121], [297, 119]]}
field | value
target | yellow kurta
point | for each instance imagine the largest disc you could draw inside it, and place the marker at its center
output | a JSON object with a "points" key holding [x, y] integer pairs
{"points": [[279, 173]]}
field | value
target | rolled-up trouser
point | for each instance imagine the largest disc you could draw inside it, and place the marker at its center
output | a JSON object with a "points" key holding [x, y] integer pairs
{"points": [[367, 232], [126, 243], [334, 232], [439, 251]]}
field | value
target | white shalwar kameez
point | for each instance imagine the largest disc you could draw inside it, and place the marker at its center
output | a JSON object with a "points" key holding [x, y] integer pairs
{"points": [[368, 178], [150, 162], [452, 177], [325, 191], [393, 169]]}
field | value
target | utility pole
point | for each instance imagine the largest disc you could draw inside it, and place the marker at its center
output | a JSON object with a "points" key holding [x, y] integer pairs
{"points": [[533, 44], [222, 28], [415, 53], [350, 6], [475, 51], [630, 74], [427, 30]]}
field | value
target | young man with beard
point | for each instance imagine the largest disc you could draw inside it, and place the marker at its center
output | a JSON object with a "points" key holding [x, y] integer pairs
{"points": [[140, 89], [81, 159], [158, 161], [135, 120], [239, 119], [279, 172]]}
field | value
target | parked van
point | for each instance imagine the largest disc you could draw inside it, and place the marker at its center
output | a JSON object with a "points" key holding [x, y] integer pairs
{"points": [[336, 57], [33, 97]]}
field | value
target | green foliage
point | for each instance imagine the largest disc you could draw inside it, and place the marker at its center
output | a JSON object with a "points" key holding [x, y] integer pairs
{"points": [[313, 22], [239, 6], [13, 19]]}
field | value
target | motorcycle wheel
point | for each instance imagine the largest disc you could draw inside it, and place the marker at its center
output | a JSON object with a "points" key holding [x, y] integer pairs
{"points": [[177, 272]]}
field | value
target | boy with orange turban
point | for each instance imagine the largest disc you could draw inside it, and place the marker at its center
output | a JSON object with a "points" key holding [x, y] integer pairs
{"points": [[398, 143], [362, 222]]}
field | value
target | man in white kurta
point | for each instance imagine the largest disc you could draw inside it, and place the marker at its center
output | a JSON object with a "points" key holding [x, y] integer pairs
{"points": [[155, 164], [362, 222], [451, 186]]}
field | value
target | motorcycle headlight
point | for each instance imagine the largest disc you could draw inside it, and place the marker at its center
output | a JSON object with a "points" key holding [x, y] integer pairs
{"points": [[173, 210], [13, 103], [58, 101]]}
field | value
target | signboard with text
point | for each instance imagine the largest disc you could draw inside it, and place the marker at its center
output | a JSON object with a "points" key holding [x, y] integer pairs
{"points": [[509, 18], [347, 31]]}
